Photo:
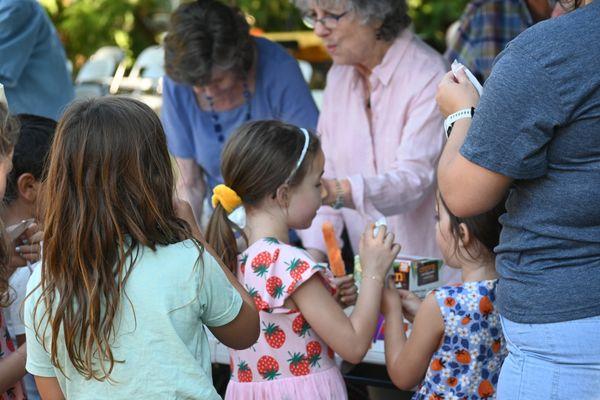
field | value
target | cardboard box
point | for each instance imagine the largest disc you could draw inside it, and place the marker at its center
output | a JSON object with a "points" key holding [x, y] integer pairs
{"points": [[377, 343], [417, 274]]}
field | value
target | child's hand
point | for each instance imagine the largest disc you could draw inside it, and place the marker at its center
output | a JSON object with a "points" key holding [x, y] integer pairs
{"points": [[410, 303], [377, 253], [347, 292], [27, 247], [390, 298]]}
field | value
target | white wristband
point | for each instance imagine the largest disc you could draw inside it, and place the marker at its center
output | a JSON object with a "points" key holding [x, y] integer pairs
{"points": [[449, 122]]}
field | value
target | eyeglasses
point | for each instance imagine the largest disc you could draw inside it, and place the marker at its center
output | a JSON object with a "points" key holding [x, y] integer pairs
{"points": [[329, 21]]}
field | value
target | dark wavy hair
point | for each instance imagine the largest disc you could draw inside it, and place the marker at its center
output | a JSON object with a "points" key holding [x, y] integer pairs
{"points": [[258, 158], [485, 228], [110, 185], [31, 151], [205, 34]]}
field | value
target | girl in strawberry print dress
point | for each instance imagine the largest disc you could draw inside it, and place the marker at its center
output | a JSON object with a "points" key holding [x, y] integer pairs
{"points": [[272, 174], [456, 347]]}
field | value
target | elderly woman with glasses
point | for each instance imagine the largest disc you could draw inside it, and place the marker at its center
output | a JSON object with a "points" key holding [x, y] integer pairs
{"points": [[219, 77], [380, 128]]}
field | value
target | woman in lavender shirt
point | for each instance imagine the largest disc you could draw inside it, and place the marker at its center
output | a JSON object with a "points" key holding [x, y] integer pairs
{"points": [[219, 77]]}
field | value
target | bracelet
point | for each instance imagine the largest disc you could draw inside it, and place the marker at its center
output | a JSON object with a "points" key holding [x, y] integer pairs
{"points": [[449, 122], [376, 279], [339, 196]]}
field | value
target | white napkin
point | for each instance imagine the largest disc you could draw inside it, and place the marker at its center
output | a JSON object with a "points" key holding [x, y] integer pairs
{"points": [[456, 66]]}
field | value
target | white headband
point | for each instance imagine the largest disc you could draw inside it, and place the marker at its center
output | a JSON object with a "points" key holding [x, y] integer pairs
{"points": [[302, 155]]}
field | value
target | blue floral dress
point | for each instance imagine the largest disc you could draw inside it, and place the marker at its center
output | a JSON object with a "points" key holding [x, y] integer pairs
{"points": [[467, 363]]}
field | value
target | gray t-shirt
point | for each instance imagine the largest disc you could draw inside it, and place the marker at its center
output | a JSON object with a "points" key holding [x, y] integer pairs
{"points": [[539, 122]]}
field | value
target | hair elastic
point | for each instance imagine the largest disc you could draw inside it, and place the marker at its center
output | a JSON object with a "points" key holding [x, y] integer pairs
{"points": [[302, 155], [231, 202], [227, 197]]}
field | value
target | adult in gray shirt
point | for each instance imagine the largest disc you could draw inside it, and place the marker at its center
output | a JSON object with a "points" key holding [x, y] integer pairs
{"points": [[536, 135]]}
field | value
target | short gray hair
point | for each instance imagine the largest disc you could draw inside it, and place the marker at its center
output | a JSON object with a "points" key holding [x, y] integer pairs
{"points": [[392, 13]]}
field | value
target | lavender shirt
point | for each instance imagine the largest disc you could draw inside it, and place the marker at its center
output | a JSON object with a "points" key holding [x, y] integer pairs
{"points": [[390, 160], [281, 93]]}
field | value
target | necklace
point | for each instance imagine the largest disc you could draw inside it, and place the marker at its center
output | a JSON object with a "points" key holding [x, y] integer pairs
{"points": [[217, 127]]}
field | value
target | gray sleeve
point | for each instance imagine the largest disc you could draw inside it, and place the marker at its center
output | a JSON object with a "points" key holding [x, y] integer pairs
{"points": [[515, 119]]}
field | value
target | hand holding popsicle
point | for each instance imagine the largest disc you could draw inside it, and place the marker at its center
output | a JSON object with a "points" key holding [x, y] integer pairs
{"points": [[347, 290]]}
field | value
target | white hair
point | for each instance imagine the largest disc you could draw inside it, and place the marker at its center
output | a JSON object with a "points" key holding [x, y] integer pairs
{"points": [[393, 13]]}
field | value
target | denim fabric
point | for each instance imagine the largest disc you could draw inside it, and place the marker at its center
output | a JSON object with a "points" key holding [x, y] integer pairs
{"points": [[553, 361], [33, 65]]}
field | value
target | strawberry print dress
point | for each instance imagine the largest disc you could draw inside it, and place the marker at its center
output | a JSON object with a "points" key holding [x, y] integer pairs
{"points": [[7, 347], [289, 361], [467, 363]]}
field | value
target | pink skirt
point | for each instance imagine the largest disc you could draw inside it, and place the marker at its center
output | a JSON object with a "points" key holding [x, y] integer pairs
{"points": [[325, 385]]}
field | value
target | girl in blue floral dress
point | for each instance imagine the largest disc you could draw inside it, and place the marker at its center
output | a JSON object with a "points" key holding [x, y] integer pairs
{"points": [[456, 347]]}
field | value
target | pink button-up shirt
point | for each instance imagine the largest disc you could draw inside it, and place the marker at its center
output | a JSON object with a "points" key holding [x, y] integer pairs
{"points": [[391, 159]]}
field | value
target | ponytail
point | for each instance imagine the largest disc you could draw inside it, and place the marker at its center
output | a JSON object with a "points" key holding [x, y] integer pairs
{"points": [[221, 237], [258, 158]]}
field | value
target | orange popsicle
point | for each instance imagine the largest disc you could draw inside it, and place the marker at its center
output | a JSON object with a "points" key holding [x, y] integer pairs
{"points": [[334, 254]]}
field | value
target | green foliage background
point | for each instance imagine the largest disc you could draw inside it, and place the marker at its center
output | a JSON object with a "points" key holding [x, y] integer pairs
{"points": [[86, 25], [430, 17]]}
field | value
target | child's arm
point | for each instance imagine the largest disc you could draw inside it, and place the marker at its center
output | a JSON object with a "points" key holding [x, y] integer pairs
{"points": [[12, 368], [407, 360], [244, 330], [351, 336], [49, 388]]}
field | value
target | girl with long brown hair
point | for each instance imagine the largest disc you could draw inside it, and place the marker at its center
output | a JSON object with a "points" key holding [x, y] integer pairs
{"points": [[272, 174], [12, 363], [126, 284]]}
